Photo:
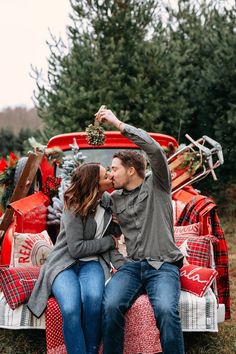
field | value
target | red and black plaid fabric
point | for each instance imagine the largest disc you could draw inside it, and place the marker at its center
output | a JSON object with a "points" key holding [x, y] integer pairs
{"points": [[192, 213], [198, 248], [17, 284]]}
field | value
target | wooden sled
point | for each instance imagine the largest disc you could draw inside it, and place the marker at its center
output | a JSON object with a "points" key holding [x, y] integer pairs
{"points": [[195, 161]]}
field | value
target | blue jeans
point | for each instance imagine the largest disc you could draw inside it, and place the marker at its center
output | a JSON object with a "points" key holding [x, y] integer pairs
{"points": [[163, 289], [79, 291]]}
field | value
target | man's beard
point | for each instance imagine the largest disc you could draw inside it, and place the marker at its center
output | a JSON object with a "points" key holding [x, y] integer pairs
{"points": [[116, 187]]}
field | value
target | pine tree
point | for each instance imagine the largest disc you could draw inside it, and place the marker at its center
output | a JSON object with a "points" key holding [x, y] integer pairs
{"points": [[105, 65], [202, 43], [7, 142], [176, 77]]}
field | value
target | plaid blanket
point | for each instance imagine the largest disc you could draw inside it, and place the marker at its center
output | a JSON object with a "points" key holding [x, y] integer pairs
{"points": [[192, 213], [20, 318]]}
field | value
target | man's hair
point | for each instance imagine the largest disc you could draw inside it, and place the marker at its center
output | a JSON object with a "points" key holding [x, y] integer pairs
{"points": [[132, 159]]}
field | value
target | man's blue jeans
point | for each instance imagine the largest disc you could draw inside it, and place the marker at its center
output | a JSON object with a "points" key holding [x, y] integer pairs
{"points": [[78, 291], [163, 289]]}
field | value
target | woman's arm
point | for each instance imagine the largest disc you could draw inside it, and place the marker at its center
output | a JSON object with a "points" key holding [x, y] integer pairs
{"points": [[77, 245]]}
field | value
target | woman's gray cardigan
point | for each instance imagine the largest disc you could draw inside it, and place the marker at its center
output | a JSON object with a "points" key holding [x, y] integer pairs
{"points": [[75, 241]]}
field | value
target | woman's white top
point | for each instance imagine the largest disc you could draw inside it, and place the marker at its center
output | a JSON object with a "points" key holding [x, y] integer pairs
{"points": [[99, 218]]}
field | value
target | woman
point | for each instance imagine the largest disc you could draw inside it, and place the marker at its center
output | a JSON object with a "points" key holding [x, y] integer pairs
{"points": [[79, 264]]}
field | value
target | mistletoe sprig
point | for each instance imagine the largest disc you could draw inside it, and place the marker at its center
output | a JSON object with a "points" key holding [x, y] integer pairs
{"points": [[95, 133]]}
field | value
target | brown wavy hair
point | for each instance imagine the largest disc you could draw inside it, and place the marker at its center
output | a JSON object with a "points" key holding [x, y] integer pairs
{"points": [[82, 194]]}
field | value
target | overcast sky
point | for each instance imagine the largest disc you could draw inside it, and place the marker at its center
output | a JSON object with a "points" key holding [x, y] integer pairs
{"points": [[24, 29]]}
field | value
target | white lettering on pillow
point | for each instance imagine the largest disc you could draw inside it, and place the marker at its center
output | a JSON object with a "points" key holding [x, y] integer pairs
{"points": [[196, 280], [190, 230]]}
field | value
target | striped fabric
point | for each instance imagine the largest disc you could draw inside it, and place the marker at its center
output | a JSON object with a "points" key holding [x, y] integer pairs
{"points": [[198, 314], [20, 318]]}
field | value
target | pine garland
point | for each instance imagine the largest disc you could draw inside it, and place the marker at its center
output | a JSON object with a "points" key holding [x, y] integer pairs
{"points": [[192, 160]]}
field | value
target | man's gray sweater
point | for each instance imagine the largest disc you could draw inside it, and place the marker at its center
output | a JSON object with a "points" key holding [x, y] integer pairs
{"points": [[145, 214]]}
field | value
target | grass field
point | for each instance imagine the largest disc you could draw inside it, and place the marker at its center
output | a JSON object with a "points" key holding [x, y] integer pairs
{"points": [[223, 342]]}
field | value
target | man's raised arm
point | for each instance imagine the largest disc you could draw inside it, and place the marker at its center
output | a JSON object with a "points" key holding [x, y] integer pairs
{"points": [[141, 138]]}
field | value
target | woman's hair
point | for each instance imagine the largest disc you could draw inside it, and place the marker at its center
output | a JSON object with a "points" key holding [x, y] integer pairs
{"points": [[82, 194]]}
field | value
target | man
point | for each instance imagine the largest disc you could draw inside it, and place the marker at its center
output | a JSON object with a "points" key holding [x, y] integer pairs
{"points": [[143, 208]]}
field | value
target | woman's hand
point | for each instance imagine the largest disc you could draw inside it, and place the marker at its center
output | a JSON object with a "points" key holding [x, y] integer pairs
{"points": [[115, 219], [116, 242]]}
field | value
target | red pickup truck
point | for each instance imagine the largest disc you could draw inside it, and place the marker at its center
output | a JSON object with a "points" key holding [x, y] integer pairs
{"points": [[197, 232]]}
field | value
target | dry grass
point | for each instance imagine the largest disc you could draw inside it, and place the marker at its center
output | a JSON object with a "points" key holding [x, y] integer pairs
{"points": [[22, 341], [223, 342]]}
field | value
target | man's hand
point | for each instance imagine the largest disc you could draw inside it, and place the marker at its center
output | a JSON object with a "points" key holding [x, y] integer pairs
{"points": [[107, 116]]}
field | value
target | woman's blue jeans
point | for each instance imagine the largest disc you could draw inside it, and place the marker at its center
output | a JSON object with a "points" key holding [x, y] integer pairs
{"points": [[79, 291], [163, 289]]}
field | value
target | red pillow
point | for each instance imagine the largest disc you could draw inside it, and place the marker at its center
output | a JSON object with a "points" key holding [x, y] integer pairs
{"points": [[17, 284], [196, 280], [197, 250]]}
